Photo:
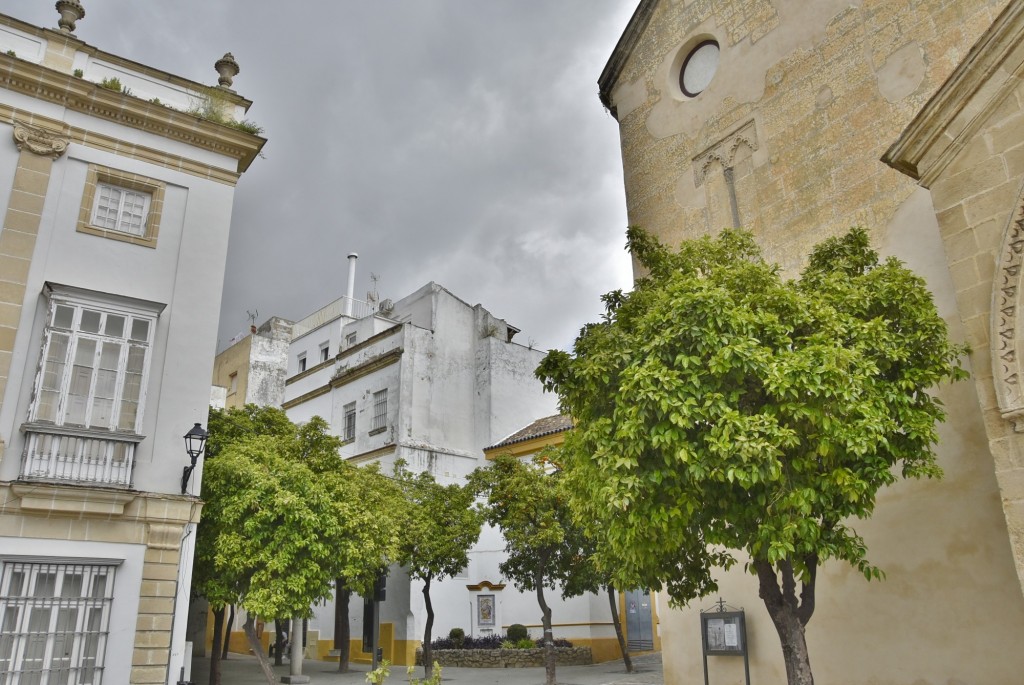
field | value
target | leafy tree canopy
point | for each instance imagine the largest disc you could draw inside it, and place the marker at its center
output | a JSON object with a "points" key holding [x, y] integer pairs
{"points": [[722, 407], [440, 527]]}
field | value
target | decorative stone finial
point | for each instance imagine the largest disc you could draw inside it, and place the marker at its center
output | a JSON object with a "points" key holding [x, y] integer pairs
{"points": [[70, 12], [227, 67]]}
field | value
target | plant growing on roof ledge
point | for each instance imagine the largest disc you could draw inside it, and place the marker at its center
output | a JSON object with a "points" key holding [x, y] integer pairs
{"points": [[245, 126], [113, 83], [212, 105]]}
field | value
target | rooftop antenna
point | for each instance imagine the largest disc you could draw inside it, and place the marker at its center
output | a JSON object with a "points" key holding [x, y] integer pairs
{"points": [[253, 315], [372, 296]]}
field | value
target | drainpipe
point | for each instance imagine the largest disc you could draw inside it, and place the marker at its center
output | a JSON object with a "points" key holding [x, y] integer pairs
{"points": [[352, 257]]}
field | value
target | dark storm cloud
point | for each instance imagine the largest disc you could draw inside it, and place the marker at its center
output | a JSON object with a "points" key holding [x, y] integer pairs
{"points": [[454, 141]]}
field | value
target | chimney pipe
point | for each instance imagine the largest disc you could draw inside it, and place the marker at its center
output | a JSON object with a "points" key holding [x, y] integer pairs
{"points": [[352, 257]]}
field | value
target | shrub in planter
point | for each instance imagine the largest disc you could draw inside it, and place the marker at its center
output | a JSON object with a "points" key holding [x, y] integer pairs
{"points": [[559, 642], [458, 637], [484, 642], [517, 632]]}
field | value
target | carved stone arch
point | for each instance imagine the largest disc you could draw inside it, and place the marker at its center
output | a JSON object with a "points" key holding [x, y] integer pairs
{"points": [[1007, 340]]}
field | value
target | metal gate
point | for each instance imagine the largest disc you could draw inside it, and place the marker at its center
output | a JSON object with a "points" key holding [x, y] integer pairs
{"points": [[639, 622]]}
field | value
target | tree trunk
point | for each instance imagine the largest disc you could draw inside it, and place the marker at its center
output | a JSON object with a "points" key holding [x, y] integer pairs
{"points": [[279, 640], [254, 644], [342, 630], [227, 633], [428, 653], [549, 637], [789, 616], [218, 637], [614, 605]]}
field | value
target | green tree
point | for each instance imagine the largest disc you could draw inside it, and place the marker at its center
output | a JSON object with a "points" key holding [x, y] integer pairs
{"points": [[545, 547], [440, 527], [373, 511], [226, 426], [286, 516], [720, 407]]}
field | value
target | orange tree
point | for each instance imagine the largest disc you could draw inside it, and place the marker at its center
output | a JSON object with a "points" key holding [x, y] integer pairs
{"points": [[721, 407]]}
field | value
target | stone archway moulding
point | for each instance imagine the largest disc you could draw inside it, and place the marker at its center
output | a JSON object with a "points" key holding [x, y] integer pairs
{"points": [[1007, 320]]}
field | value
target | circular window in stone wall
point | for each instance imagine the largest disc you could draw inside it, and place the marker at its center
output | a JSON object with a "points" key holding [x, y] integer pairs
{"points": [[699, 68]]}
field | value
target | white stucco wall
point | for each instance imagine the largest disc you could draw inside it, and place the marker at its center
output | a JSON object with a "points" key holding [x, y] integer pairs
{"points": [[459, 386]]}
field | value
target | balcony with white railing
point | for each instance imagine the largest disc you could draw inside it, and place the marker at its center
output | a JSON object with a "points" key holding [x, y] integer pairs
{"points": [[57, 454]]}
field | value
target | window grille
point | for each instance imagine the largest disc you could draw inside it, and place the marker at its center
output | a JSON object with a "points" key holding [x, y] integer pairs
{"points": [[380, 409], [54, 622], [350, 421]]}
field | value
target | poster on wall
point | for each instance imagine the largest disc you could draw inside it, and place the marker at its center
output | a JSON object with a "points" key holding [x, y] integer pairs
{"points": [[485, 610], [723, 633]]}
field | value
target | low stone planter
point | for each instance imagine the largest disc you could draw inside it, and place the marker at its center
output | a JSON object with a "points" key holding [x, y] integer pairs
{"points": [[507, 658]]}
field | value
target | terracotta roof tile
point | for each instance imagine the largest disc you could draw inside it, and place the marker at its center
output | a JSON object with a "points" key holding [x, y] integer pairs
{"points": [[539, 428]]}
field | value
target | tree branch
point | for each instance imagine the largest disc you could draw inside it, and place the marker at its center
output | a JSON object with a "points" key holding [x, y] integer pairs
{"points": [[788, 582], [807, 599]]}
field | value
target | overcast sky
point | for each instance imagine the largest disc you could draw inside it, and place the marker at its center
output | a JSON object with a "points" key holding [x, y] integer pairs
{"points": [[456, 141]]}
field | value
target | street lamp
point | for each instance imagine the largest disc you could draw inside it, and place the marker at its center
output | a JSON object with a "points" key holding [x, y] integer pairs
{"points": [[195, 439]]}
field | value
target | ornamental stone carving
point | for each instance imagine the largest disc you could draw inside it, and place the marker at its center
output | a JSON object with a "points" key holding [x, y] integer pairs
{"points": [[227, 68], [1005, 321], [39, 141], [70, 12], [724, 151]]}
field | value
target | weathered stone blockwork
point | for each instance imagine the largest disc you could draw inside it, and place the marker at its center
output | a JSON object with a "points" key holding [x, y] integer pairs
{"points": [[806, 101]]}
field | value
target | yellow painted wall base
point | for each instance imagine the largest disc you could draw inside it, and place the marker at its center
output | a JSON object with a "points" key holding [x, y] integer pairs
{"points": [[399, 652], [601, 648]]}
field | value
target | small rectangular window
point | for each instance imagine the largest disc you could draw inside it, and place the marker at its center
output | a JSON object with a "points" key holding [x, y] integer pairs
{"points": [[351, 339], [380, 409], [121, 206], [234, 382], [325, 352], [350, 421], [121, 209], [302, 363]]}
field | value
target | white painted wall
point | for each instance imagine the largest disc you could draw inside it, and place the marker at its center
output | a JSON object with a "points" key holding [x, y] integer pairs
{"points": [[459, 387]]}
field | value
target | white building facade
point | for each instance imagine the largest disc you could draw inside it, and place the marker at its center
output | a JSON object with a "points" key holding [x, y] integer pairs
{"points": [[431, 380], [116, 209]]}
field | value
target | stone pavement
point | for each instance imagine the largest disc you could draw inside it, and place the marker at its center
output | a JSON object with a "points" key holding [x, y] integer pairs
{"points": [[243, 670]]}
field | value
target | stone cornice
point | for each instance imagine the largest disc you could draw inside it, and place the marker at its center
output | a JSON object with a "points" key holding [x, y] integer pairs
{"points": [[115, 146], [371, 454], [953, 115], [306, 397], [75, 43], [64, 500], [623, 49], [369, 341], [346, 376], [485, 585], [79, 95]]}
